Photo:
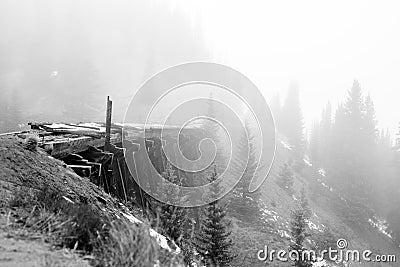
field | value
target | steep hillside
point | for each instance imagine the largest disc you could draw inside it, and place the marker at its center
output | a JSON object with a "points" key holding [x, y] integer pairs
{"points": [[41, 198], [325, 225]]}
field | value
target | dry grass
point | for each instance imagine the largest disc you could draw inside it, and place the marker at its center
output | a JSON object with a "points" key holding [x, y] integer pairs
{"points": [[127, 244], [81, 227]]}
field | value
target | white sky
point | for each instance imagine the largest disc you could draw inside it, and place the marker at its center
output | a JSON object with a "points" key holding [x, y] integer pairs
{"points": [[323, 45]]}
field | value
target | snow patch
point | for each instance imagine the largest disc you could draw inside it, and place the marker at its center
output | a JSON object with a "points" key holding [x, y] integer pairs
{"points": [[381, 225], [274, 216], [283, 233], [68, 200], [306, 161], [319, 263], [286, 145], [162, 241], [313, 226]]}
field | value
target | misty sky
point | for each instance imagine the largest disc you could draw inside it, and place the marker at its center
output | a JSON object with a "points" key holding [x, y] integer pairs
{"points": [[322, 45]]}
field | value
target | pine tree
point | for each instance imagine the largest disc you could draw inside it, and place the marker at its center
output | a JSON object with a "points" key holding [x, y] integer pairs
{"points": [[347, 144], [315, 144], [212, 131], [172, 219], [352, 163], [212, 241], [369, 150], [320, 138], [285, 178], [298, 228], [243, 203], [369, 121], [354, 104], [292, 121], [325, 134]]}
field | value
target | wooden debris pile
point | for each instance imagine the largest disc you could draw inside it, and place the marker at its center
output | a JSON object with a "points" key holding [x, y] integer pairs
{"points": [[62, 139]]}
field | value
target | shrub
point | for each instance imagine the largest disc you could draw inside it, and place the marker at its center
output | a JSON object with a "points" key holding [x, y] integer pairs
{"points": [[31, 142]]}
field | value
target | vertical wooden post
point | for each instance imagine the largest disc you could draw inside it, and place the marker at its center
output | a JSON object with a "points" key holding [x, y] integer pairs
{"points": [[108, 124]]}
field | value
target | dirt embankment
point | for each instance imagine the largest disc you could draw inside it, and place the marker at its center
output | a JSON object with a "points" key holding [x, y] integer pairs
{"points": [[35, 170]]}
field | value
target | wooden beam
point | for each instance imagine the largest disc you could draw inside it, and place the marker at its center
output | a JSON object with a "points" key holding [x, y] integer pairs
{"points": [[108, 124], [75, 131], [62, 148]]}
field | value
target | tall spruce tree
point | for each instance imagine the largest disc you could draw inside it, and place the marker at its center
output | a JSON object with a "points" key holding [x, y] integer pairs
{"points": [[292, 121], [369, 146], [212, 241], [298, 229], [173, 220], [243, 204], [315, 144], [352, 162], [320, 138], [212, 131], [325, 134], [285, 178]]}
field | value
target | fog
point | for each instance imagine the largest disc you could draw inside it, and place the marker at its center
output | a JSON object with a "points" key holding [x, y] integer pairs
{"points": [[56, 54]]}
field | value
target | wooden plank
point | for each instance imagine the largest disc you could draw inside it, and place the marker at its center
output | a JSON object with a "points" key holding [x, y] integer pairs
{"points": [[75, 131], [60, 149]]}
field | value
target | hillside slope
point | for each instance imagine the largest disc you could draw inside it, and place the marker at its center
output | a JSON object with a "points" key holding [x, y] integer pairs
{"points": [[325, 221], [24, 173]]}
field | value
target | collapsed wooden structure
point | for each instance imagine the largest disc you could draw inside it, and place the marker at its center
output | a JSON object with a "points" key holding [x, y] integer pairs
{"points": [[97, 151]]}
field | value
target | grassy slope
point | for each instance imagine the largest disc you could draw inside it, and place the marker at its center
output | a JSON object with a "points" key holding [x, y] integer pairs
{"points": [[22, 170]]}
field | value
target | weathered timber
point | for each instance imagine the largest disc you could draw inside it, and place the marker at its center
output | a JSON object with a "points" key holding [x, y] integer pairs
{"points": [[79, 132], [85, 126], [82, 170], [63, 148], [108, 124]]}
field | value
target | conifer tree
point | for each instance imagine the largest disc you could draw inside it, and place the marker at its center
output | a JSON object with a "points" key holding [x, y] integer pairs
{"points": [[243, 203], [352, 165], [369, 120], [315, 144], [325, 134], [212, 131], [212, 241], [292, 121], [285, 178], [298, 228], [172, 219]]}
